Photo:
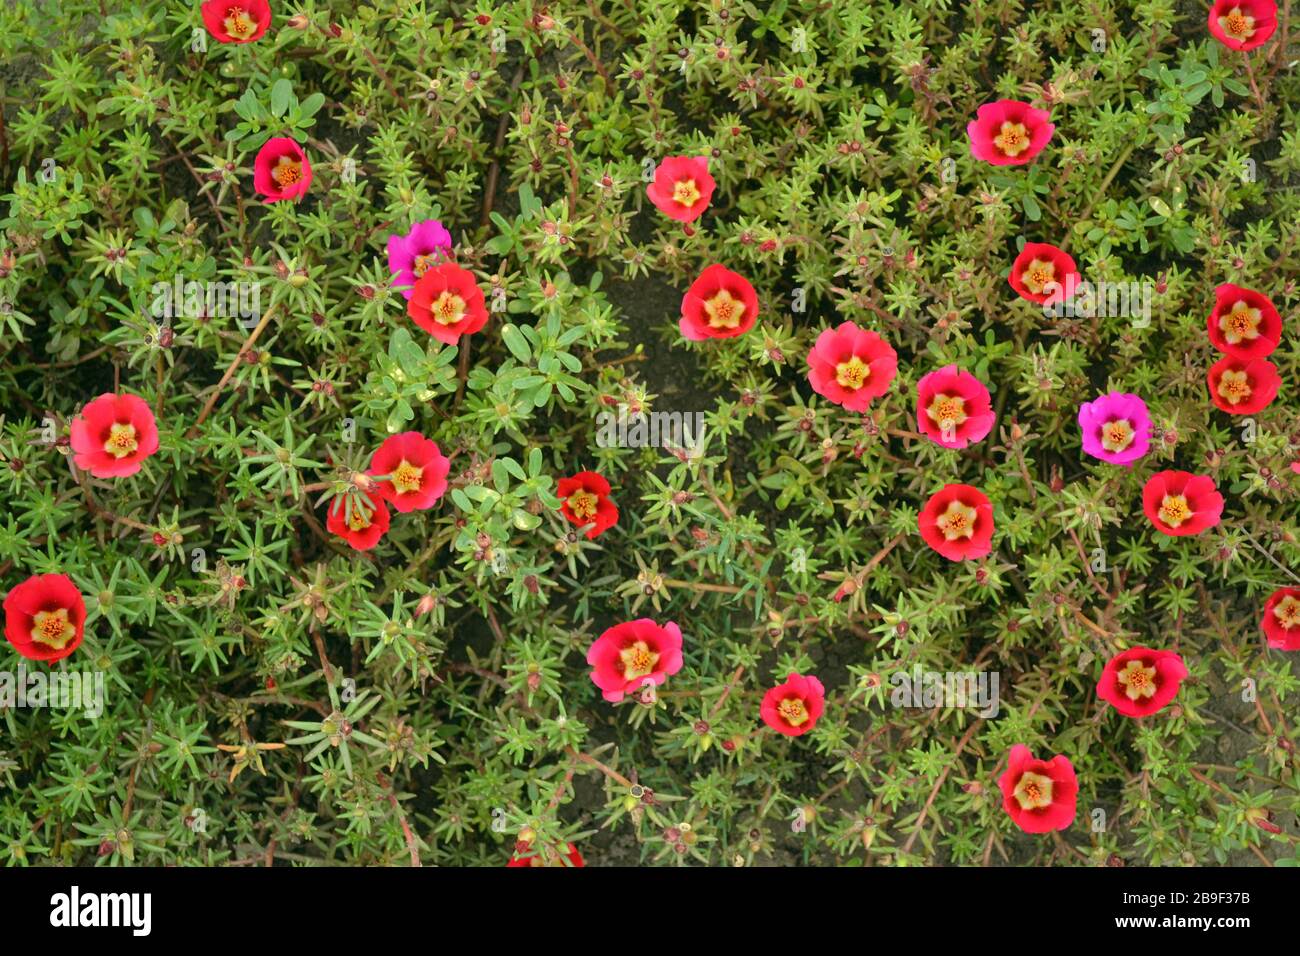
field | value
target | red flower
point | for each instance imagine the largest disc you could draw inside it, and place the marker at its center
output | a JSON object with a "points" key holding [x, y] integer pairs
{"points": [[682, 187], [113, 434], [632, 655], [1281, 620], [447, 303], [548, 857], [416, 469], [1008, 132], [360, 525], [720, 304], [1180, 503], [45, 617], [1244, 323], [1241, 387], [953, 408], [1141, 681], [1043, 273], [281, 170], [793, 708], [851, 366], [957, 522], [1039, 795], [584, 500], [236, 21], [1243, 24]]}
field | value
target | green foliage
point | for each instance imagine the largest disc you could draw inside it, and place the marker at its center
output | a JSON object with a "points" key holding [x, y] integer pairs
{"points": [[273, 696]]}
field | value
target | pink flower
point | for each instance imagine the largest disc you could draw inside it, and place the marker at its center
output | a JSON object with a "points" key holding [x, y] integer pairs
{"points": [[281, 170], [851, 366], [410, 256], [1009, 133], [1116, 428], [952, 407], [629, 656], [113, 435], [793, 708]]}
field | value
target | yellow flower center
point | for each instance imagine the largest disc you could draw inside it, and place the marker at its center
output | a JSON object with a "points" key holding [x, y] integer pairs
{"points": [[121, 440], [1234, 387], [1117, 435], [286, 171], [407, 477], [792, 711], [583, 504], [947, 411], [685, 192], [1174, 510], [1238, 25], [423, 264], [957, 522], [1138, 680], [449, 308], [1287, 611], [359, 520], [1012, 139], [1033, 791], [638, 660], [724, 310], [1241, 324], [53, 629], [1037, 274], [853, 373], [239, 24]]}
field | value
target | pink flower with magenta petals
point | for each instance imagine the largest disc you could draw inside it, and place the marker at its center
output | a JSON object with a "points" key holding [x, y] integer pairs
{"points": [[113, 435], [281, 170], [629, 656], [1116, 428], [412, 255], [1009, 133], [416, 469], [953, 408], [851, 366]]}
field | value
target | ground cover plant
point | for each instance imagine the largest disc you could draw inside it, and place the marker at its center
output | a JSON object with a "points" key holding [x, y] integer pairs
{"points": [[607, 432]]}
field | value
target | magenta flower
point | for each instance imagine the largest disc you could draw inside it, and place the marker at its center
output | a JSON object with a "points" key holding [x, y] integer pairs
{"points": [[412, 255], [1116, 428]]}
